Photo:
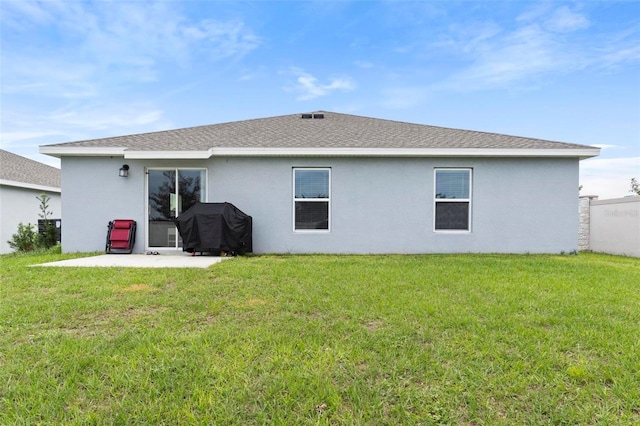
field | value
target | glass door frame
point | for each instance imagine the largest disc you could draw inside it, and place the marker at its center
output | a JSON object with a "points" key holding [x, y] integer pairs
{"points": [[204, 197]]}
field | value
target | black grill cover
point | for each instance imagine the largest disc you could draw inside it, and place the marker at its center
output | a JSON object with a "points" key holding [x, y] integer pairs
{"points": [[215, 227]]}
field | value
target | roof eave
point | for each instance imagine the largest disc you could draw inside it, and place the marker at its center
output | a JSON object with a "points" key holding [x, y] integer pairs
{"points": [[167, 155], [582, 153], [26, 185], [64, 151]]}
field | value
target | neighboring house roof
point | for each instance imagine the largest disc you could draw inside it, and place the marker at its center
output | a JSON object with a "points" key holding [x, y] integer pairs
{"points": [[307, 134], [22, 172]]}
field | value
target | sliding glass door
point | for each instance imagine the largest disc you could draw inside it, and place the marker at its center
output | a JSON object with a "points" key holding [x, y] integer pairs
{"points": [[171, 192]]}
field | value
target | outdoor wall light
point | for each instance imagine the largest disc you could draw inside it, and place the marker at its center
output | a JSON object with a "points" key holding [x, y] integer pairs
{"points": [[124, 171]]}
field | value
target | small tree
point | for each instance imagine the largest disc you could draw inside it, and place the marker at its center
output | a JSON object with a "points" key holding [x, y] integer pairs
{"points": [[635, 186], [26, 239], [48, 237]]}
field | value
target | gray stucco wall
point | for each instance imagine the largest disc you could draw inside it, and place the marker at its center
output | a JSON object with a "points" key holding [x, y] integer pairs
{"points": [[377, 205], [20, 205]]}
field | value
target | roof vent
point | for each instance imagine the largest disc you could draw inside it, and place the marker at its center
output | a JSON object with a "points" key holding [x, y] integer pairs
{"points": [[306, 116], [318, 115]]}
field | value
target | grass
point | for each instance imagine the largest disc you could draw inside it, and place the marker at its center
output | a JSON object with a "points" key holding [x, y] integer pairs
{"points": [[433, 339]]}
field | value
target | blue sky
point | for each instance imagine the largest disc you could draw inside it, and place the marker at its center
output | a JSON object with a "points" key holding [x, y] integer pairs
{"points": [[564, 71]]}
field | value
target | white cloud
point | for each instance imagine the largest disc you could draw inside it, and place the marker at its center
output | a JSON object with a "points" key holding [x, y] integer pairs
{"points": [[251, 74], [613, 58], [561, 19], [543, 43], [224, 39], [523, 54], [73, 70], [47, 76], [82, 122], [309, 87], [108, 118], [608, 177], [10, 138], [565, 20], [129, 32], [535, 12], [117, 43], [15, 13]]}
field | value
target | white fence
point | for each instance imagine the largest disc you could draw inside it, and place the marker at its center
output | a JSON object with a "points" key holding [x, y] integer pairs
{"points": [[610, 226]]}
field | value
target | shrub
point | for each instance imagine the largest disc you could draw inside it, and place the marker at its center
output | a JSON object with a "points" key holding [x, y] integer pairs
{"points": [[26, 239], [48, 237]]}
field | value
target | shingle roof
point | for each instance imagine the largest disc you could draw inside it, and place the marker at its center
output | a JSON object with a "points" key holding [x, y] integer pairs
{"points": [[335, 130], [16, 168]]}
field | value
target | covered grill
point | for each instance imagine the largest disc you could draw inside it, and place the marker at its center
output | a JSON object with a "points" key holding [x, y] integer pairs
{"points": [[215, 228]]}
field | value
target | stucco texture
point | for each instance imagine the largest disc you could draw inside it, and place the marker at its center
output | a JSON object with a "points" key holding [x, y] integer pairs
{"points": [[378, 205], [18, 205]]}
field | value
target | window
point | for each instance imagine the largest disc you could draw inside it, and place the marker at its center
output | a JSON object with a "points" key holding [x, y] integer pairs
{"points": [[311, 198], [452, 200]]}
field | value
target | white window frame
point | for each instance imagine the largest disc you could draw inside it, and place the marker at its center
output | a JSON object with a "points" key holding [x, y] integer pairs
{"points": [[452, 200], [319, 200]]}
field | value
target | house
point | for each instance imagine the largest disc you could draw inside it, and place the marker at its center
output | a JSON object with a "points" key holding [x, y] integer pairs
{"points": [[327, 182], [21, 181]]}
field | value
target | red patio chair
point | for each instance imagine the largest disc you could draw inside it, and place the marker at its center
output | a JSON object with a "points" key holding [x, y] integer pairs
{"points": [[121, 236]]}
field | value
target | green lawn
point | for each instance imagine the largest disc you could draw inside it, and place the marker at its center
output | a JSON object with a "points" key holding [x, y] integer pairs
{"points": [[433, 339]]}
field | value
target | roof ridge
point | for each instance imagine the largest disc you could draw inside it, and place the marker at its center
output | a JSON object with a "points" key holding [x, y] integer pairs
{"points": [[336, 130]]}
